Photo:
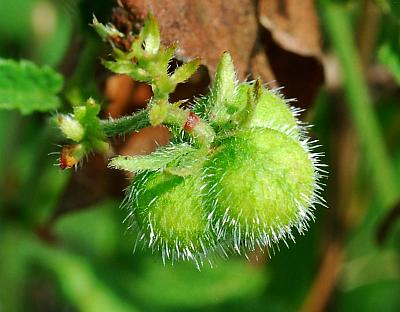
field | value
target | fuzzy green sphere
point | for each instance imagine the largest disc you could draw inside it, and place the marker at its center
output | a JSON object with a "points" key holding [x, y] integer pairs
{"points": [[273, 112], [257, 186], [270, 110], [168, 211]]}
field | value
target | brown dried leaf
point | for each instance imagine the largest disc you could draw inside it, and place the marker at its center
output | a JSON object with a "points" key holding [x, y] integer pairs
{"points": [[261, 68], [125, 95], [300, 76], [293, 24], [145, 141], [204, 28]]}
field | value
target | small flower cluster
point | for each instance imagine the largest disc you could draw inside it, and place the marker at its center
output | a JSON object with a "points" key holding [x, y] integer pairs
{"points": [[238, 174]]}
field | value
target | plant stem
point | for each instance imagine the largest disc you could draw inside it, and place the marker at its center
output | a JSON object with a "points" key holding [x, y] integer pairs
{"points": [[340, 33], [202, 132], [126, 124]]}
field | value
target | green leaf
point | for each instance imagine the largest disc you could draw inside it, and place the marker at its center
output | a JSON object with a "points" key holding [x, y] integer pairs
{"points": [[389, 56], [29, 88]]}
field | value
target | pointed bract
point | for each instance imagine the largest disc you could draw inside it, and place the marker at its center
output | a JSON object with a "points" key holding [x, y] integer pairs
{"points": [[151, 35]]}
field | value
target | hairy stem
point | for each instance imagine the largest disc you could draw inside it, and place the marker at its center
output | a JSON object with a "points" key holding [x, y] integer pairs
{"points": [[126, 124], [201, 131]]}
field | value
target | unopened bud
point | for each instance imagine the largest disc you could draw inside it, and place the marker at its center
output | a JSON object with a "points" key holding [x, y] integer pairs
{"points": [[70, 127], [71, 155]]}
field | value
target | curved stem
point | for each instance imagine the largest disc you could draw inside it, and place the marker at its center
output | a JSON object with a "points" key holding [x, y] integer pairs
{"points": [[201, 131]]}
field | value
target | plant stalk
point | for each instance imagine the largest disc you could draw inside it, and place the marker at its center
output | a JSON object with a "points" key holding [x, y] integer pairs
{"points": [[359, 102]]}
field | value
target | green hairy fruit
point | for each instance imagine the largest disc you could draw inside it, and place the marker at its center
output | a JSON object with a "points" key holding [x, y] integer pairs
{"points": [[240, 172], [169, 212], [272, 111], [259, 184]]}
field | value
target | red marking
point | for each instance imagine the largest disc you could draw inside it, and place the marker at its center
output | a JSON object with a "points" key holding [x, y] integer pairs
{"points": [[191, 122], [67, 160], [63, 163]]}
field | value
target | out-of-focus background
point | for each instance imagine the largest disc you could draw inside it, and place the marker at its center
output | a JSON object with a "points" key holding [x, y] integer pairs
{"points": [[63, 243]]}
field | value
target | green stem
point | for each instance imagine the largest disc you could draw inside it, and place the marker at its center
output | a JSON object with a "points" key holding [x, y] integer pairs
{"points": [[340, 33], [167, 114], [126, 124], [172, 116]]}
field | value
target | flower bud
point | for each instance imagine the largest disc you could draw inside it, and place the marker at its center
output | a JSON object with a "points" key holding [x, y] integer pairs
{"points": [[70, 127], [71, 155]]}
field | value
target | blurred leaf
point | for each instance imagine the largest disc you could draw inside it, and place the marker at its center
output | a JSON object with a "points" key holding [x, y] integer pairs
{"points": [[94, 231], [27, 87], [389, 55], [8, 133], [391, 7], [13, 270], [52, 43], [382, 265], [79, 283], [382, 296], [15, 19], [182, 286], [41, 202], [284, 270]]}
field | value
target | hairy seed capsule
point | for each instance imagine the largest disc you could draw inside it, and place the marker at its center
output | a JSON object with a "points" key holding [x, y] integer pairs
{"points": [[259, 184], [272, 111], [169, 213]]}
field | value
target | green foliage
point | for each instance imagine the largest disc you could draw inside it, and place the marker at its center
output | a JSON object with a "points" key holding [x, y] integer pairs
{"points": [[388, 53], [26, 87], [390, 7]]}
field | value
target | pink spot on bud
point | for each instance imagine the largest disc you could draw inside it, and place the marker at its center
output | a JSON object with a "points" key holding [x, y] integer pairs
{"points": [[191, 122]]}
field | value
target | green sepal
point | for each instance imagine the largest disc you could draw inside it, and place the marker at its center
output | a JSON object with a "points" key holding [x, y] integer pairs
{"points": [[154, 161], [70, 127], [151, 35], [127, 68], [222, 90], [185, 71], [84, 126], [105, 31], [189, 163], [252, 98], [165, 55]]}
